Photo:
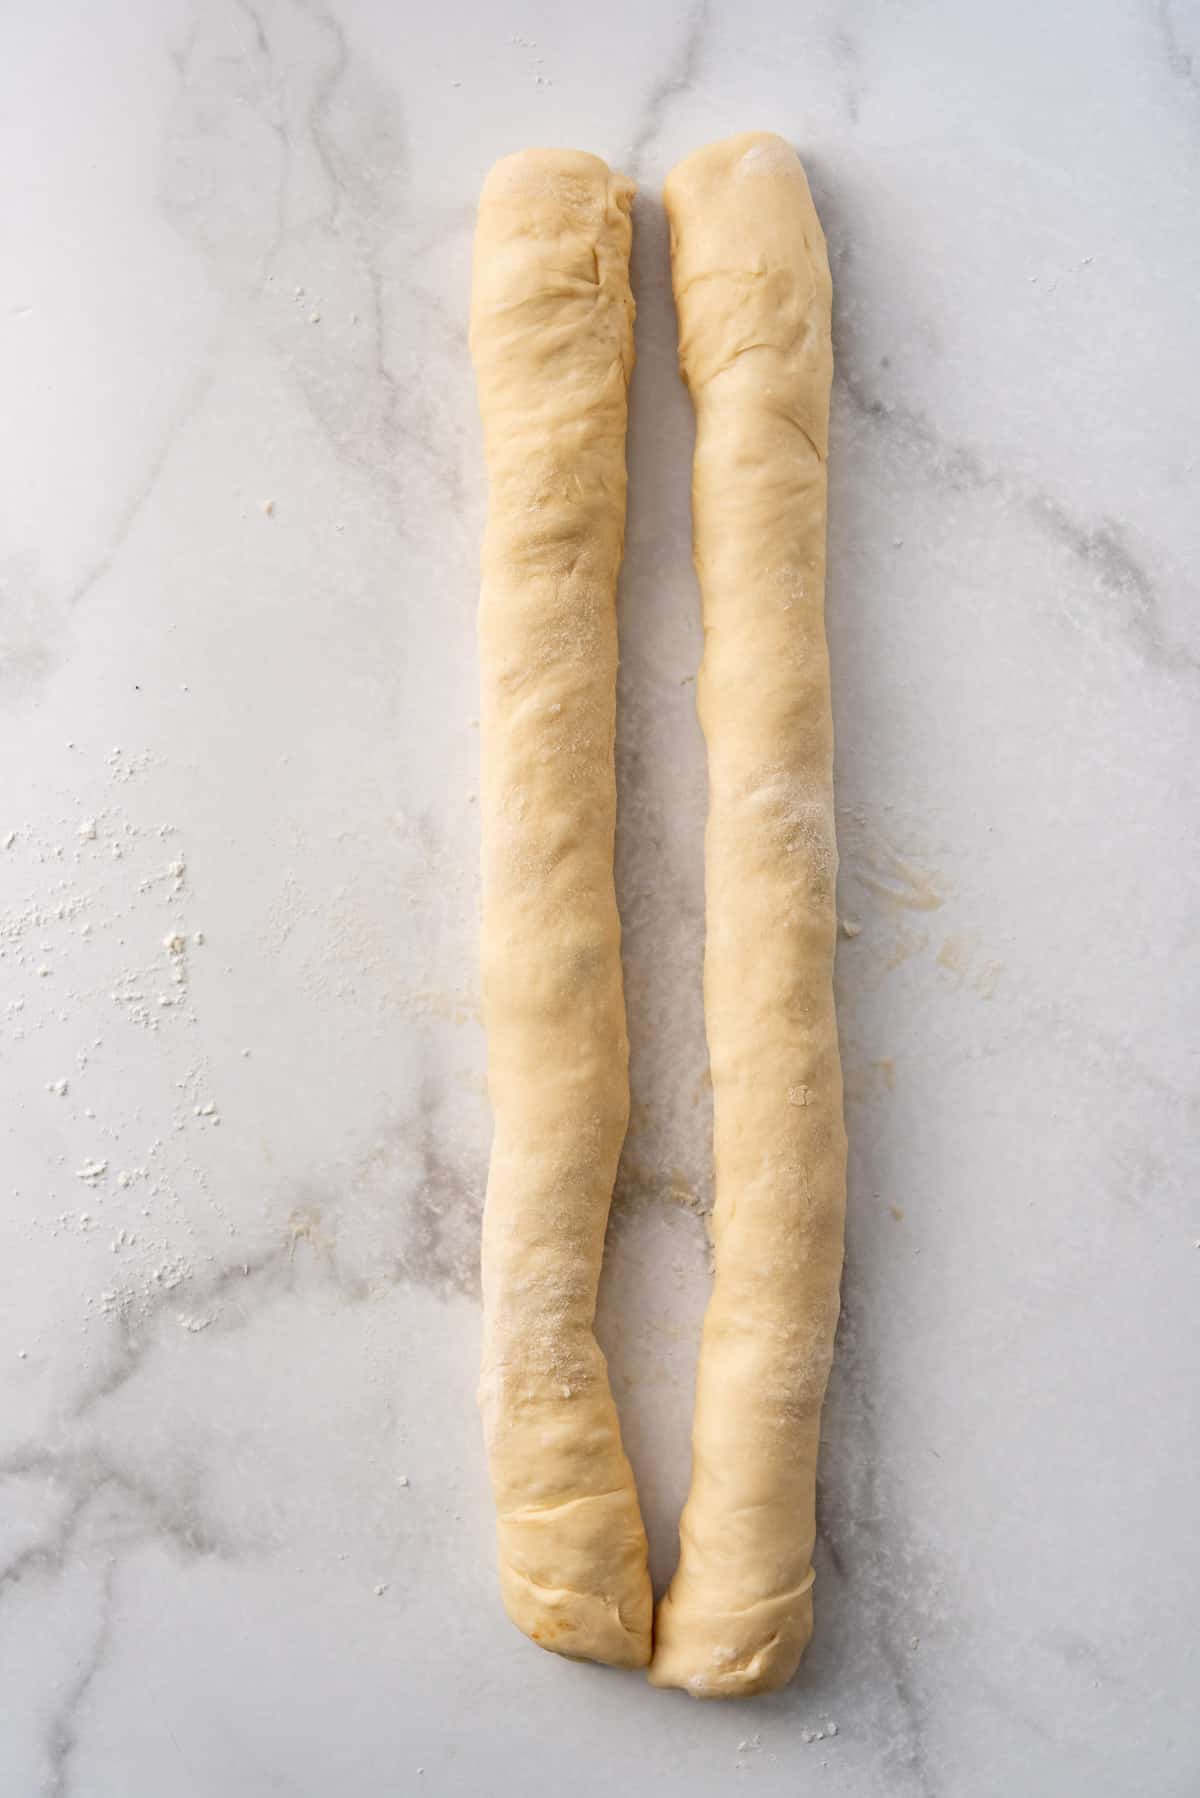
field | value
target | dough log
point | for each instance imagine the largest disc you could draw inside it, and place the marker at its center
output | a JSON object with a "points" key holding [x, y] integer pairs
{"points": [[752, 291], [552, 342]]}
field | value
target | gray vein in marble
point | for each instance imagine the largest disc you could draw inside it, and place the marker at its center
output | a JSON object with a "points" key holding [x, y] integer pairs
{"points": [[678, 80], [88, 1474], [261, 42], [324, 88], [144, 1513], [266, 102], [46, 1555], [262, 51], [138, 500], [30, 617], [360, 218], [1180, 62], [443, 1215], [846, 56], [437, 1215], [137, 1337], [63, 1733], [1100, 548]]}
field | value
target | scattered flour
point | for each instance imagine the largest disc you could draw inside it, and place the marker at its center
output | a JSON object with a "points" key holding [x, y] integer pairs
{"points": [[88, 921]]}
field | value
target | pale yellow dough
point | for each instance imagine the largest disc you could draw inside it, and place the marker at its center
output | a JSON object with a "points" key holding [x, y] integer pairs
{"points": [[552, 341], [752, 291]]}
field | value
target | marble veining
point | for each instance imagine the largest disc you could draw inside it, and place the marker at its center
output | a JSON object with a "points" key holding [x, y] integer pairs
{"points": [[245, 1539], [679, 80]]}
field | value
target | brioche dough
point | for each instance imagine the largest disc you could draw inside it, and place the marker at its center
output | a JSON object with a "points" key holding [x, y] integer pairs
{"points": [[552, 342], [752, 291]]}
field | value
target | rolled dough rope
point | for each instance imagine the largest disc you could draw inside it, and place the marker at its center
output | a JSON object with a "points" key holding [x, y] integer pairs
{"points": [[752, 292], [552, 341]]}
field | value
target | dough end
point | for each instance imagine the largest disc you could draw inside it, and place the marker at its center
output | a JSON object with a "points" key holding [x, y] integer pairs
{"points": [[577, 1624], [733, 1656]]}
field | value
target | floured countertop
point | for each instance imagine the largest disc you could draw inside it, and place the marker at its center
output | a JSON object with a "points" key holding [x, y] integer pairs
{"points": [[245, 1538]]}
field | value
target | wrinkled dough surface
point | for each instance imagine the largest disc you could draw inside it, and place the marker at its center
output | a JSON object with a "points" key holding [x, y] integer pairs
{"points": [[552, 343], [752, 291]]}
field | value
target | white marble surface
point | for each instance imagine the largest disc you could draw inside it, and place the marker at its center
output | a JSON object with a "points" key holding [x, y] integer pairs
{"points": [[235, 272]]}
